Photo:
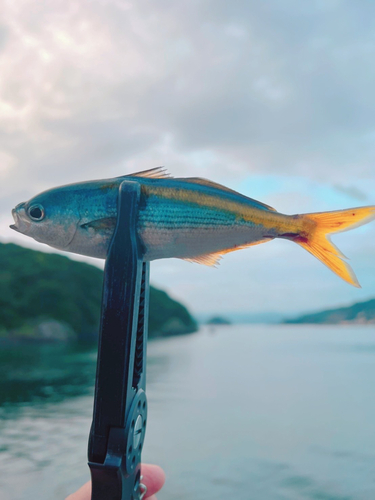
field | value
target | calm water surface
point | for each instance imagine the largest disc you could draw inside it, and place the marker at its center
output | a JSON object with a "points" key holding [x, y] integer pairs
{"points": [[249, 412]]}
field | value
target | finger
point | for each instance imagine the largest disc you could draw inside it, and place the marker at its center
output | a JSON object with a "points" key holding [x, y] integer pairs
{"points": [[153, 478], [84, 493]]}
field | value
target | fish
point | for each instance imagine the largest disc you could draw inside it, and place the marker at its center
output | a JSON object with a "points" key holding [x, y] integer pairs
{"points": [[187, 218]]}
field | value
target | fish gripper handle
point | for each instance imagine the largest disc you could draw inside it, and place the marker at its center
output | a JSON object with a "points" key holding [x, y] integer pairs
{"points": [[120, 405]]}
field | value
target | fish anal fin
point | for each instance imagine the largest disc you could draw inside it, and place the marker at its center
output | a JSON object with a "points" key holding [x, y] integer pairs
{"points": [[206, 182], [209, 259], [212, 259], [152, 173]]}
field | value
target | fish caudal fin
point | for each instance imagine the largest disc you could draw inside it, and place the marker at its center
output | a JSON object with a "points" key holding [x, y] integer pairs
{"points": [[317, 240]]}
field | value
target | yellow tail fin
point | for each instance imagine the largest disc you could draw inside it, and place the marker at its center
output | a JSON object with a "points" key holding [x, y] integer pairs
{"points": [[317, 240]]}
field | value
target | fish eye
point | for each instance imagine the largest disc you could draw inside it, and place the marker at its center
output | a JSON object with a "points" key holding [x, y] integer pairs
{"points": [[36, 212]]}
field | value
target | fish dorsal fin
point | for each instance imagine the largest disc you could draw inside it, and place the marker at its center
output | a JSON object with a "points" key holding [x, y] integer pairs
{"points": [[212, 259], [152, 173], [206, 182]]}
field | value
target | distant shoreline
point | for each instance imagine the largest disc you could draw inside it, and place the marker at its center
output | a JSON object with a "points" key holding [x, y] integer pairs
{"points": [[360, 313]]}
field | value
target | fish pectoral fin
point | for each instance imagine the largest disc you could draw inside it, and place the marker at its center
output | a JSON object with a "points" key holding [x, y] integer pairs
{"points": [[105, 224], [152, 173], [213, 259]]}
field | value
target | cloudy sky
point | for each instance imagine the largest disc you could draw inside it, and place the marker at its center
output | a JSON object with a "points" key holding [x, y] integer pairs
{"points": [[275, 99]]}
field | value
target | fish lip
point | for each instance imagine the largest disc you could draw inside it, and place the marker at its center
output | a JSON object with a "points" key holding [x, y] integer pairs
{"points": [[21, 224], [16, 220]]}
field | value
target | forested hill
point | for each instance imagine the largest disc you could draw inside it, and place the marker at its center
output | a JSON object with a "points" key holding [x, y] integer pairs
{"points": [[361, 312], [44, 293]]}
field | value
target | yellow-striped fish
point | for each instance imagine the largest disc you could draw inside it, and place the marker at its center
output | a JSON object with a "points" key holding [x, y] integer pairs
{"points": [[192, 219]]}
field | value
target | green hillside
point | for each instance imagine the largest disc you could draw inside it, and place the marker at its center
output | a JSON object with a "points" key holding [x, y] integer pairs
{"points": [[361, 312], [39, 288]]}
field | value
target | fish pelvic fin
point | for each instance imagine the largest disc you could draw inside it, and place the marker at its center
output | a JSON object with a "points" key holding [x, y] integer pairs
{"points": [[316, 238]]}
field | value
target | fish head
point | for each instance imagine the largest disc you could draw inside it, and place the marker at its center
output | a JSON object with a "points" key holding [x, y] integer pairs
{"points": [[51, 217]]}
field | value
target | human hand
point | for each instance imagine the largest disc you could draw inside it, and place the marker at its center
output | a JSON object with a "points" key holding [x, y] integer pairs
{"points": [[153, 478]]}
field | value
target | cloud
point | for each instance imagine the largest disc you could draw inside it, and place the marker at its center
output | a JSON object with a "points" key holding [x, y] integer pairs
{"points": [[276, 87], [353, 192], [231, 91]]}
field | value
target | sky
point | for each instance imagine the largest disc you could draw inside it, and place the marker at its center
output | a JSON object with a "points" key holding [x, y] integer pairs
{"points": [[274, 99]]}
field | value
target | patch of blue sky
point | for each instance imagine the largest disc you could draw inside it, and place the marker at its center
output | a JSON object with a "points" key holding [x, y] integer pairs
{"points": [[297, 194], [319, 196]]}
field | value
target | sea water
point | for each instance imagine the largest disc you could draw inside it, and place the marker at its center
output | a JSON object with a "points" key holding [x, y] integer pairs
{"points": [[235, 412]]}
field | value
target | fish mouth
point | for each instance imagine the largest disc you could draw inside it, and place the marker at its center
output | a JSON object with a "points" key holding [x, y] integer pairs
{"points": [[21, 224]]}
